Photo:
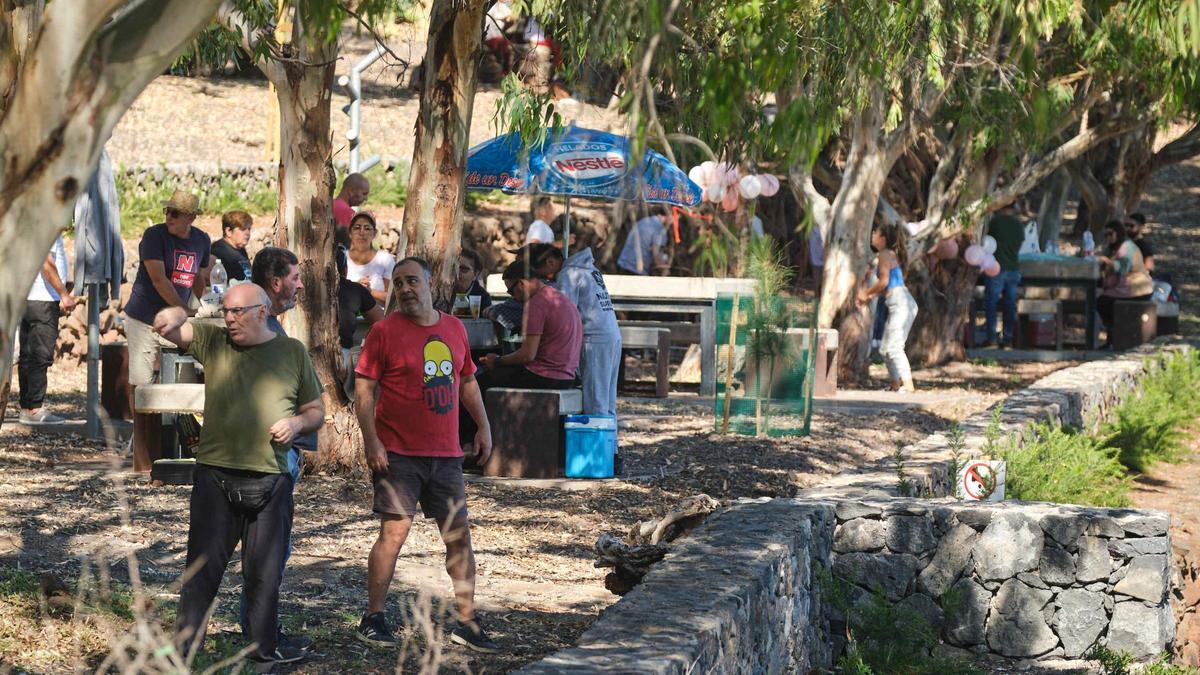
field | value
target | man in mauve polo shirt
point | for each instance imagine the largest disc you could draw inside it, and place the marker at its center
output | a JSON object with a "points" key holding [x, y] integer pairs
{"points": [[414, 370]]}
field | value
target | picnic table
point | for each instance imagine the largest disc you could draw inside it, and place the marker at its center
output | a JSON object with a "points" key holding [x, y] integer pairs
{"points": [[692, 297], [1051, 271]]}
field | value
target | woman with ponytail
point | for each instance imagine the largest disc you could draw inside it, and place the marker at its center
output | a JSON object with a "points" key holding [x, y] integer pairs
{"points": [[888, 241]]}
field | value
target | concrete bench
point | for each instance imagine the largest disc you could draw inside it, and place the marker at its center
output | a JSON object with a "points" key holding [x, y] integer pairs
{"points": [[527, 434], [169, 398], [647, 337]]}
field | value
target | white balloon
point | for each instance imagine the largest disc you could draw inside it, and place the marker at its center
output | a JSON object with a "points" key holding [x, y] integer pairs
{"points": [[749, 187], [988, 260], [713, 192], [696, 175], [975, 255], [989, 244]]}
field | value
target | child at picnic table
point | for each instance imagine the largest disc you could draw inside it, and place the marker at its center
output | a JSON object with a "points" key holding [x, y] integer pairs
{"points": [[902, 308]]}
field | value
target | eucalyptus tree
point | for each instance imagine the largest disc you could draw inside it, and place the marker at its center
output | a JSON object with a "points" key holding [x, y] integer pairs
{"points": [[68, 71]]}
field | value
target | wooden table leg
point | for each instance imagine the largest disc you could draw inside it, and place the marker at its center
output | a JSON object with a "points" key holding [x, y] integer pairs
{"points": [[662, 374]]}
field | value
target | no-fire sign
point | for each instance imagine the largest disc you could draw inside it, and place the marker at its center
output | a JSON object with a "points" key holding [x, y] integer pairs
{"points": [[981, 481]]}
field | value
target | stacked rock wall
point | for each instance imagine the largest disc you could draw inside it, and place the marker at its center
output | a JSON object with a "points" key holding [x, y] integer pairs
{"points": [[1014, 580], [1011, 580]]}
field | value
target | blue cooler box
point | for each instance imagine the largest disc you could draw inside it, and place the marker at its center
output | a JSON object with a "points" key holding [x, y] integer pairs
{"points": [[591, 444]]}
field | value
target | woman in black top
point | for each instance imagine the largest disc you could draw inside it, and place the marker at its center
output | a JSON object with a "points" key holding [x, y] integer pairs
{"points": [[230, 249]]}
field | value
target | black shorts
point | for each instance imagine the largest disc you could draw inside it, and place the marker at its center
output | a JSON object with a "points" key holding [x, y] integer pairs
{"points": [[436, 483]]}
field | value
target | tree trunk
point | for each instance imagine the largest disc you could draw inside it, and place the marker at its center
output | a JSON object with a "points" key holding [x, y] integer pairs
{"points": [[851, 215], [943, 297], [304, 89], [433, 213], [82, 70], [1050, 212]]}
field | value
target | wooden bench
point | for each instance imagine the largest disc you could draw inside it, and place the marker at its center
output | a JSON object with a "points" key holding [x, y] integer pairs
{"points": [[169, 398], [527, 433], [646, 337]]}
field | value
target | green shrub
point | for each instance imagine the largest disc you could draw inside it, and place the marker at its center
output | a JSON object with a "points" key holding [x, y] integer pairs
{"points": [[142, 205], [889, 639], [1150, 427], [1057, 465], [1119, 663]]}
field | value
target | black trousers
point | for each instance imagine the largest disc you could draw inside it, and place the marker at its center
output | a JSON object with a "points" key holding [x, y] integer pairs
{"points": [[229, 506], [39, 334], [1106, 307]]}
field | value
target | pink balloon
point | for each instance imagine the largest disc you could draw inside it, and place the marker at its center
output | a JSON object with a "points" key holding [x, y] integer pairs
{"points": [[992, 269], [988, 259], [975, 255], [946, 249], [731, 199], [770, 184]]}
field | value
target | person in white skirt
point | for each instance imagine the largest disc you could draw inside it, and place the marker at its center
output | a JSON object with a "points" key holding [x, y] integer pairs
{"points": [[888, 241]]}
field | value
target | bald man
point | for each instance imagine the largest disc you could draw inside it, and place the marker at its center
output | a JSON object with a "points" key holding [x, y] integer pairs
{"points": [[241, 487], [355, 190]]}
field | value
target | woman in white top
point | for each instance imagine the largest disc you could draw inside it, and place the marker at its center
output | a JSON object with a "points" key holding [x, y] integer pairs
{"points": [[364, 264]]}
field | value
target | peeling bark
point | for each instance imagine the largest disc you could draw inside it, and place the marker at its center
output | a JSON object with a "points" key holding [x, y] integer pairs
{"points": [[74, 78], [433, 213]]}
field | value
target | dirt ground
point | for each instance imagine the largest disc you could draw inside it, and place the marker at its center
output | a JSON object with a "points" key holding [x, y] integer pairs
{"points": [[538, 589]]}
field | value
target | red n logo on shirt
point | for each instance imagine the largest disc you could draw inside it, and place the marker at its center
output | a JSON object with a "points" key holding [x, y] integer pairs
{"points": [[185, 261]]}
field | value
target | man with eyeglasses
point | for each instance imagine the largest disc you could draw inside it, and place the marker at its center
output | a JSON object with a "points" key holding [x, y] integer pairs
{"points": [[276, 270], [241, 486], [174, 265]]}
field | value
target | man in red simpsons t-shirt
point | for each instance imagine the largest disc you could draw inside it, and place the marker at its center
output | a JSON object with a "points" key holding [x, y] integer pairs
{"points": [[414, 370]]}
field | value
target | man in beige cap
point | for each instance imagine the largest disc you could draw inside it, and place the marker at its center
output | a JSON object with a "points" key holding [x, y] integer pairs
{"points": [[174, 265]]}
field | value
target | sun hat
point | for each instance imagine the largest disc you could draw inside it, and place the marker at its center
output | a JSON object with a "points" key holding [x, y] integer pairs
{"points": [[183, 202]]}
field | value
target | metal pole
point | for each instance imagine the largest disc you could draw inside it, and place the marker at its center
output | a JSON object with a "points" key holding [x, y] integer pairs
{"points": [[92, 430], [567, 229], [353, 84]]}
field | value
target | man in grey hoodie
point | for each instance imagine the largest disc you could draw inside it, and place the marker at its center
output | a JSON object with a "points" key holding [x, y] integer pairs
{"points": [[600, 360]]}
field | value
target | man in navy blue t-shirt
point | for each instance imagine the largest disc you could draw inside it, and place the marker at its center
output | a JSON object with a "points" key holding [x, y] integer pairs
{"points": [[174, 265]]}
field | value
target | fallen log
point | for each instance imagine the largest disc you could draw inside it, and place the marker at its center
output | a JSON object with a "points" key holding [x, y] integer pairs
{"points": [[632, 556]]}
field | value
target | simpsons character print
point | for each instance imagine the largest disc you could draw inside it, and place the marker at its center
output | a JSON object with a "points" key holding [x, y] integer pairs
{"points": [[438, 382]]}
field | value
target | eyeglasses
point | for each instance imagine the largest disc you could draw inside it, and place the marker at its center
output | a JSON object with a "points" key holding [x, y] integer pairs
{"points": [[238, 311]]}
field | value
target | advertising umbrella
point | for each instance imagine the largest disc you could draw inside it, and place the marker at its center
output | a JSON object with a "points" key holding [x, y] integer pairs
{"points": [[577, 162]]}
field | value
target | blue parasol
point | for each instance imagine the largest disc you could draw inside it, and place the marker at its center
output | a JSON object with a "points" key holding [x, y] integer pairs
{"points": [[578, 162]]}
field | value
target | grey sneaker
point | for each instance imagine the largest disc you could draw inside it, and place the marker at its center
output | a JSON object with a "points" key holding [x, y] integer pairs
{"points": [[40, 417]]}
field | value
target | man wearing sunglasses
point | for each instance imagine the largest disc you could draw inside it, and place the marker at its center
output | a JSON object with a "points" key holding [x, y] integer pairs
{"points": [[174, 264], [241, 487]]}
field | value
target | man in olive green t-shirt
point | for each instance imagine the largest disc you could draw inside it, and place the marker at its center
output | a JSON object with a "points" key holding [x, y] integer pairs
{"points": [[260, 392]]}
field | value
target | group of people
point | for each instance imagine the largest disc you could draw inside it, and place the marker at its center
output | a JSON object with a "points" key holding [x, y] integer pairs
{"points": [[418, 396], [1127, 267]]}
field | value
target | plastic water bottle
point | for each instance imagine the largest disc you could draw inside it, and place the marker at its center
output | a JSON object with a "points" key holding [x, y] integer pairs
{"points": [[1089, 245], [218, 279]]}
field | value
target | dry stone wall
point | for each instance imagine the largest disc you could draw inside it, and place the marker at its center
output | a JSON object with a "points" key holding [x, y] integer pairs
{"points": [[1011, 580], [1027, 581]]}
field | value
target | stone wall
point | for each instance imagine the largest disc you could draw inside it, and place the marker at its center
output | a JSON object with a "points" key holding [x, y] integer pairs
{"points": [[1027, 580], [1014, 580]]}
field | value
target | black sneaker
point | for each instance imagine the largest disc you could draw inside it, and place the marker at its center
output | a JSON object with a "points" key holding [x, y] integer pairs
{"points": [[373, 630], [296, 641], [471, 635], [282, 654]]}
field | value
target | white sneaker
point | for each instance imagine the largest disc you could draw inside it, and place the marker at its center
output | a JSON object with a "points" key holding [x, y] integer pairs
{"points": [[39, 417]]}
